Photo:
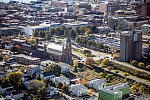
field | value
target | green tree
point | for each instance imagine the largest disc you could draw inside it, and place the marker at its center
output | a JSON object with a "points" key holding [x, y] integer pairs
{"points": [[77, 30], [13, 78], [48, 36], [59, 85], [134, 62], [126, 74], [82, 30], [52, 31], [109, 77], [116, 71], [141, 64], [22, 69], [1, 58], [110, 68], [88, 32], [41, 93], [35, 33], [148, 67], [54, 68], [142, 89], [38, 77], [65, 33], [75, 69], [65, 88], [57, 31], [72, 33], [42, 34], [87, 52], [102, 75]]}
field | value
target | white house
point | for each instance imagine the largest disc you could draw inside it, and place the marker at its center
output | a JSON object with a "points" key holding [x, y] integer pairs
{"points": [[4, 89], [50, 91], [47, 75], [145, 28], [64, 80], [64, 67], [17, 95], [32, 69], [78, 89], [97, 84]]}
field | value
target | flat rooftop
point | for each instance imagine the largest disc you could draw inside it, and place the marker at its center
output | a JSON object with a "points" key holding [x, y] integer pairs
{"points": [[27, 57]]}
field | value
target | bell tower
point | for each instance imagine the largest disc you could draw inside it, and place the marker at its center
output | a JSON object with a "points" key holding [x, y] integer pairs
{"points": [[67, 52]]}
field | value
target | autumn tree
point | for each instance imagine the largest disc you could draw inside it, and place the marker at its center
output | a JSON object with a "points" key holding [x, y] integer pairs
{"points": [[75, 62], [36, 84], [90, 61], [105, 62]]}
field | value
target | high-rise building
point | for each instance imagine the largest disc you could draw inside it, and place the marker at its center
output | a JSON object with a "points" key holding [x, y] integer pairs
{"points": [[130, 45]]}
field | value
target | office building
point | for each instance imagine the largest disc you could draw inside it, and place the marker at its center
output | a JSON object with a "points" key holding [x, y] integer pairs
{"points": [[130, 45], [114, 92]]}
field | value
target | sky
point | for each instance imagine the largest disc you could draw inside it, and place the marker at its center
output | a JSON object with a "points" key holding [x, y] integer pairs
{"points": [[16, 0]]}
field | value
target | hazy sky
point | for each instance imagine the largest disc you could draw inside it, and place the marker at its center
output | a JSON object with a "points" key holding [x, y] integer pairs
{"points": [[16, 0]]}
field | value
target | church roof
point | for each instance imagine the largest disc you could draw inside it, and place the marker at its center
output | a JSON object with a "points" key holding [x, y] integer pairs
{"points": [[55, 46]]}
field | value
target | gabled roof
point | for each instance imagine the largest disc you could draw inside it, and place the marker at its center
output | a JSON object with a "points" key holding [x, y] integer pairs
{"points": [[49, 73]]}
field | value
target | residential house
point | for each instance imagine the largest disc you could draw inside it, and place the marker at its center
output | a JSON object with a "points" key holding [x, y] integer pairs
{"points": [[33, 69], [78, 89], [17, 95], [64, 67], [6, 88], [50, 91], [97, 84], [47, 75], [62, 79]]}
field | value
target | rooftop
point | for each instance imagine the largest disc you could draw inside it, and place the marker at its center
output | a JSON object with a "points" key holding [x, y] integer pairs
{"points": [[114, 89], [27, 57], [147, 25]]}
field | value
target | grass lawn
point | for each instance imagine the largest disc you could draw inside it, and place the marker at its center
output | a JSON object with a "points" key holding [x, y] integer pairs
{"points": [[79, 53]]}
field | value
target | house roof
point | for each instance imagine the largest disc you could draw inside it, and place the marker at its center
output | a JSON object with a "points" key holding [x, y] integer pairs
{"points": [[49, 73], [78, 87], [98, 81], [62, 79]]}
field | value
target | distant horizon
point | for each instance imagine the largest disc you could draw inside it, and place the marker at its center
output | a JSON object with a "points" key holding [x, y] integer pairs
{"points": [[16, 0]]}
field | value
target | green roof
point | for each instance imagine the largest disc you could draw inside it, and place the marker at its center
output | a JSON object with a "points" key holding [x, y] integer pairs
{"points": [[147, 25]]}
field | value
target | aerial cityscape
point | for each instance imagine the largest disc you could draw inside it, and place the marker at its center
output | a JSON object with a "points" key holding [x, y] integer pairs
{"points": [[74, 49]]}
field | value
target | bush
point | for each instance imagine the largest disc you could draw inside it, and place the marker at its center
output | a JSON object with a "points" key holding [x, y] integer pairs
{"points": [[148, 67], [134, 62], [141, 64]]}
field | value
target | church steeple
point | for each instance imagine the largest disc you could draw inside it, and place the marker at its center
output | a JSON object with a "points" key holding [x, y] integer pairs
{"points": [[67, 52], [68, 38]]}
